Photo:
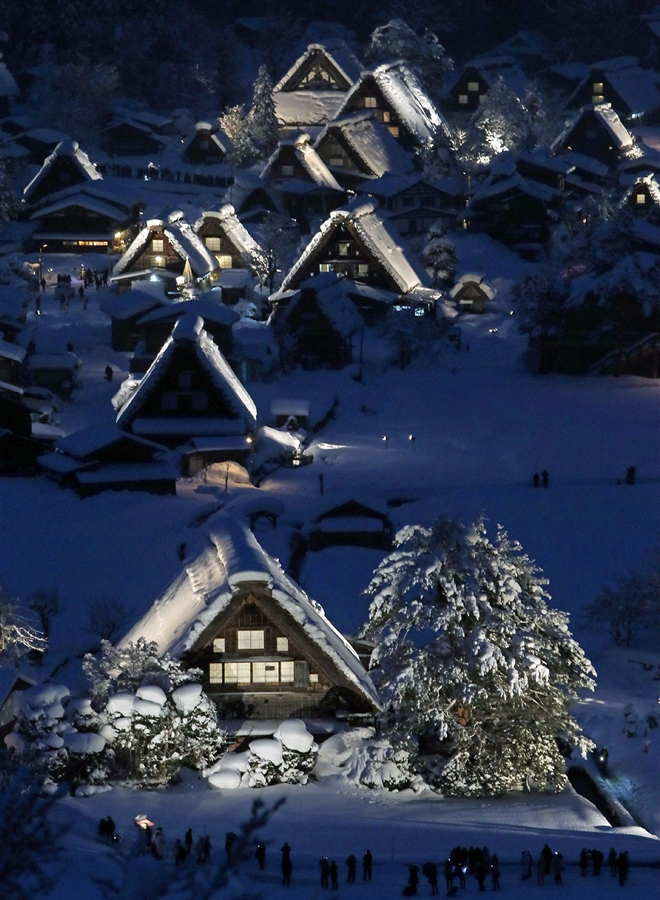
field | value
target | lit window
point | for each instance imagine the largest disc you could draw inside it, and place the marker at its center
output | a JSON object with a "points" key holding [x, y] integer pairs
{"points": [[343, 248], [363, 269], [282, 645], [219, 645], [394, 130], [158, 245], [598, 87], [463, 99], [386, 116], [286, 671], [237, 672], [597, 98], [215, 673], [224, 260], [287, 171], [473, 87], [640, 198], [213, 243], [250, 640], [325, 267], [482, 97], [336, 161], [313, 678], [185, 380], [370, 102]]}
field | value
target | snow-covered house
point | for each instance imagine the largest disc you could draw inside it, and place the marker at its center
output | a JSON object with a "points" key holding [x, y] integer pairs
{"points": [[313, 89], [413, 204], [190, 391], [477, 77], [206, 146], [155, 325], [643, 197], [301, 180], [351, 523], [400, 103], [101, 457], [266, 649], [529, 47], [472, 293], [11, 358], [633, 92], [539, 165], [317, 324], [40, 142], [598, 132], [66, 166], [125, 310], [357, 242], [225, 236], [127, 137], [91, 216], [163, 248], [357, 147]]}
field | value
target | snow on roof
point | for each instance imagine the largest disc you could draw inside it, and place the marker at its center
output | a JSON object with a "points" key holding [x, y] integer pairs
{"points": [[232, 227], [92, 204], [63, 149], [90, 440], [210, 132], [208, 310], [253, 339], [403, 91], [496, 186], [476, 279], [229, 556], [379, 238], [181, 236], [190, 329], [607, 118], [650, 183], [333, 301], [309, 159], [153, 120], [47, 135], [637, 87], [289, 407], [541, 158], [371, 142], [122, 196], [390, 185], [132, 303], [306, 108], [12, 351], [586, 163], [505, 68], [339, 54]]}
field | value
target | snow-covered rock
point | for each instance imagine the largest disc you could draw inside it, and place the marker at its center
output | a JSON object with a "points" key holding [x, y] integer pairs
{"points": [[81, 706], [334, 751], [268, 749], [294, 736], [84, 742], [187, 697]]}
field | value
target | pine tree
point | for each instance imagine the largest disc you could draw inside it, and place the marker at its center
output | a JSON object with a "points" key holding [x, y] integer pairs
{"points": [[264, 128], [439, 255], [469, 655]]}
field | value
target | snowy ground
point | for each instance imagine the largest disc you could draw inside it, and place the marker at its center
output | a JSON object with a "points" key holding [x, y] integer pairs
{"points": [[482, 426]]}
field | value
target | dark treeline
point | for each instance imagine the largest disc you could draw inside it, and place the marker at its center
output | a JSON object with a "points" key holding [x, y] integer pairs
{"points": [[188, 53]]}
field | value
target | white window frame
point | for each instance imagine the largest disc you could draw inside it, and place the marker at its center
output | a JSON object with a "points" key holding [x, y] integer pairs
{"points": [[286, 671], [219, 645], [158, 245], [250, 639], [282, 645]]}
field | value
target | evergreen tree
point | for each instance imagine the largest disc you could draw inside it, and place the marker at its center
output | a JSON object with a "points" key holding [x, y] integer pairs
{"points": [[501, 123], [264, 128], [425, 55], [439, 255], [236, 126], [469, 655]]}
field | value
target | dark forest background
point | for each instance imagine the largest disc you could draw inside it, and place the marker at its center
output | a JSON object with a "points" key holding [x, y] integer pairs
{"points": [[191, 53]]}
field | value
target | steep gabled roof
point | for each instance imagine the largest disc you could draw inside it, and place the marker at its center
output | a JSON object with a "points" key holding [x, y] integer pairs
{"points": [[403, 91], [228, 557], [189, 329], [209, 131], [494, 187], [236, 233], [86, 442], [650, 182], [207, 309], [498, 68], [338, 54], [307, 108], [309, 160], [92, 204], [333, 301], [607, 118], [69, 149], [378, 238], [371, 142], [182, 238], [637, 87]]}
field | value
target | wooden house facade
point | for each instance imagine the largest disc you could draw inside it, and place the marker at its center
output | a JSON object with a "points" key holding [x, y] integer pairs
{"points": [[225, 236], [66, 166], [125, 310], [124, 137], [85, 220], [205, 146], [596, 132], [632, 91], [412, 204], [472, 294], [265, 649], [471, 86], [352, 524]]}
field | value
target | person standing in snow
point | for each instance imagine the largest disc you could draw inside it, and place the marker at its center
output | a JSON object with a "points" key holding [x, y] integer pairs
{"points": [[287, 869], [547, 856], [334, 876], [367, 862], [207, 849], [526, 865], [260, 855], [480, 871], [611, 858], [188, 840], [584, 861], [449, 874], [622, 865], [413, 879], [597, 859], [540, 869], [325, 871], [495, 873], [199, 851], [557, 866], [179, 853], [351, 865], [158, 844], [431, 872]]}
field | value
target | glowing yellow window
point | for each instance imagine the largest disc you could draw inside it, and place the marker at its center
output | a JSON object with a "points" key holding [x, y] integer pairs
{"points": [[250, 640], [215, 673], [473, 87], [370, 102], [463, 99], [640, 199]]}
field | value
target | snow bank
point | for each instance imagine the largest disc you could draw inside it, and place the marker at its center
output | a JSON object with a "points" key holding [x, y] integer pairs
{"points": [[88, 790], [226, 779]]}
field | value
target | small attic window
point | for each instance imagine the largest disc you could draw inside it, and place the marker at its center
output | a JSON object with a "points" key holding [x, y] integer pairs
{"points": [[597, 98], [386, 115], [250, 640], [640, 199], [598, 87], [394, 131], [287, 171], [370, 102], [473, 87], [463, 99], [213, 243], [218, 645], [282, 645], [158, 245]]}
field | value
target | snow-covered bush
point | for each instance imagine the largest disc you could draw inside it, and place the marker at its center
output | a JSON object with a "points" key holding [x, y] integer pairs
{"points": [[478, 670], [358, 756], [288, 757]]}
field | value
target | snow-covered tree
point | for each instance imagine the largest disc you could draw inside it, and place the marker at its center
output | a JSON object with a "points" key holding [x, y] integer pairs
{"points": [[631, 606], [264, 129], [18, 632], [439, 255], [501, 123], [470, 656], [424, 54], [278, 238], [236, 125]]}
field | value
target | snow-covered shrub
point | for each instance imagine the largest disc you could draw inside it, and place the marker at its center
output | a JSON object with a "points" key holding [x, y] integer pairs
{"points": [[360, 757]]}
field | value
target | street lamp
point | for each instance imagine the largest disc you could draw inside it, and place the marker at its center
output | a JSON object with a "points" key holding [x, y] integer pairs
{"points": [[41, 262]]}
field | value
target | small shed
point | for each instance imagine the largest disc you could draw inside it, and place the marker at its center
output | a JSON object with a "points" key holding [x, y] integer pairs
{"points": [[472, 293], [354, 524]]}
